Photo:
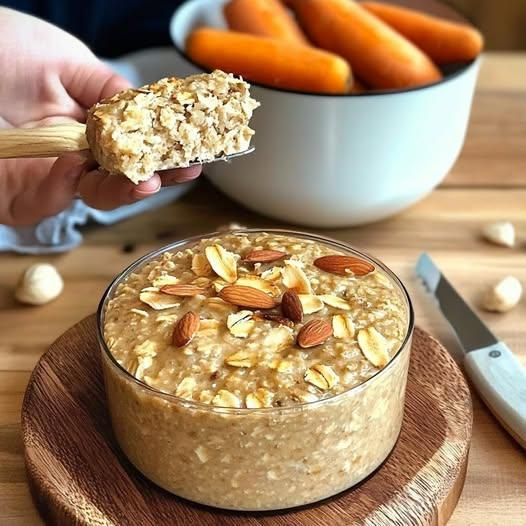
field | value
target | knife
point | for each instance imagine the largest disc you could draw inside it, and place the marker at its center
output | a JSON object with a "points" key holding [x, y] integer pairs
{"points": [[494, 371]]}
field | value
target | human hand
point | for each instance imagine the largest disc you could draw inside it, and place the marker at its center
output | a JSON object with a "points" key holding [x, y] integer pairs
{"points": [[52, 77]]}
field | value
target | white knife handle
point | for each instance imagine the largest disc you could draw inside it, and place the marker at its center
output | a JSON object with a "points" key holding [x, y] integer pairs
{"points": [[501, 382]]}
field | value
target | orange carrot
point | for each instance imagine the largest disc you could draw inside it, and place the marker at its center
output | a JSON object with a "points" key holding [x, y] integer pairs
{"points": [[444, 41], [269, 61], [379, 55], [357, 86], [266, 18]]}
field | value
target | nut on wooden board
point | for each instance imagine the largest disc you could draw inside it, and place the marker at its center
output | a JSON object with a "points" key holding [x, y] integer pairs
{"points": [[39, 284], [500, 233], [503, 296]]}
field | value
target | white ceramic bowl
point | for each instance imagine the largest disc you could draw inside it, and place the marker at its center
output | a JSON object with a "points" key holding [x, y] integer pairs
{"points": [[340, 160]]}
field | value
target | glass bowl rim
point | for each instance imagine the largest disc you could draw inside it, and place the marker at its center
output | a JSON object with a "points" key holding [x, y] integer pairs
{"points": [[190, 241]]}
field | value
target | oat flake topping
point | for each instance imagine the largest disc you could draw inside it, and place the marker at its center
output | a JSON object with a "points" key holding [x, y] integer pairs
{"points": [[243, 355]]}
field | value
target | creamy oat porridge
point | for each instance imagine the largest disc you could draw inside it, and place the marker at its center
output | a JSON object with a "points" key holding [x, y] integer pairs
{"points": [[252, 363]]}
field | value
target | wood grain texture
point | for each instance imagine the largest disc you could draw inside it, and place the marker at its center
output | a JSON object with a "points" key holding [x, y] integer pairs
{"points": [[78, 475], [493, 154], [447, 224], [48, 141]]}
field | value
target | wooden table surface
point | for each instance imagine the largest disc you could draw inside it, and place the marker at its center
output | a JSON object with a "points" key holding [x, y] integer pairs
{"points": [[488, 183]]}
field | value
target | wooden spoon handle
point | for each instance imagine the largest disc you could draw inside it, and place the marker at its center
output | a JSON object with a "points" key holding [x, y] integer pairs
{"points": [[50, 141]]}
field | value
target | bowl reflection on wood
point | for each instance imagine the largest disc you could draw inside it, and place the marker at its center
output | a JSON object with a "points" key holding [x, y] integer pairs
{"points": [[341, 160]]}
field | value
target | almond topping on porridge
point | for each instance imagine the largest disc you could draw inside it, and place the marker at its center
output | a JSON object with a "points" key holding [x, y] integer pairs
{"points": [[342, 326], [186, 387], [310, 303], [202, 282], [223, 262], [259, 283], [278, 338], [240, 323], [344, 265], [321, 376], [335, 301], [294, 278], [206, 396], [374, 346], [313, 333], [166, 318], [146, 348], [140, 312], [200, 265], [143, 363], [382, 280], [217, 304], [277, 319], [240, 359], [260, 398], [249, 297], [248, 335], [183, 290], [284, 366], [202, 454], [185, 329], [161, 281], [264, 256], [219, 285], [280, 365], [157, 300], [273, 274], [306, 397], [209, 324], [291, 306], [225, 398]]}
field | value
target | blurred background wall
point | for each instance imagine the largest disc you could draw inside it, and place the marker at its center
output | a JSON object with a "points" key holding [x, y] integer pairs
{"points": [[114, 27], [503, 22]]}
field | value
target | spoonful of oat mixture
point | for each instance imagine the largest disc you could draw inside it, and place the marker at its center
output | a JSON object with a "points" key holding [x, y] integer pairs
{"points": [[172, 123]]}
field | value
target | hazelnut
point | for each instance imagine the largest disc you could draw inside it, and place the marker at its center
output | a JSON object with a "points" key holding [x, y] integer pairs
{"points": [[40, 284], [503, 296], [500, 233]]}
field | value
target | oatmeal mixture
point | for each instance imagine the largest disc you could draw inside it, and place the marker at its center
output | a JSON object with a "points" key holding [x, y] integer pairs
{"points": [[266, 322], [255, 320], [171, 123]]}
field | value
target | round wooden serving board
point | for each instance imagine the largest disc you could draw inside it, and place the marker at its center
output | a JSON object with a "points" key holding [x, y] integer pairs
{"points": [[78, 475]]}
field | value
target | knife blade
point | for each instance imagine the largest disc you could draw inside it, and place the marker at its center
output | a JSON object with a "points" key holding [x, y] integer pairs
{"points": [[469, 328], [493, 369]]}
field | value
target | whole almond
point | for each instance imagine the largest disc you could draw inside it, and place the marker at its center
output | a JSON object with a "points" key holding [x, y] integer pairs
{"points": [[182, 290], [313, 333], [185, 329], [248, 297], [344, 265], [278, 319], [291, 306], [264, 256]]}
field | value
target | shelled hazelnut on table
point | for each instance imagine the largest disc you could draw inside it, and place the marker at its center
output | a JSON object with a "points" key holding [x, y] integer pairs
{"points": [[39, 284], [503, 296], [500, 233]]}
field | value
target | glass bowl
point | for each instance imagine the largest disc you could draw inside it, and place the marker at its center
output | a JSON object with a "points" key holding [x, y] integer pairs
{"points": [[257, 459]]}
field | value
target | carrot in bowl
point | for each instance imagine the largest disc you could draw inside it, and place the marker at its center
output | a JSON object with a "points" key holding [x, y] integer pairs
{"points": [[357, 86], [378, 54], [443, 41], [266, 18], [270, 61]]}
